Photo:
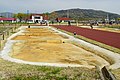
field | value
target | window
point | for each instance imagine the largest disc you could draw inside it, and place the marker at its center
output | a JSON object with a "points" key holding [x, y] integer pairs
{"points": [[37, 17]]}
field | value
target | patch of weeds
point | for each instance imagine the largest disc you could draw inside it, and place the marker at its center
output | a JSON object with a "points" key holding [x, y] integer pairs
{"points": [[56, 70]]}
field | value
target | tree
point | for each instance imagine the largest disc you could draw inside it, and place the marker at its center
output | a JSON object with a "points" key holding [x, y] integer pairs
{"points": [[118, 19], [53, 15], [47, 15], [15, 16], [21, 16]]}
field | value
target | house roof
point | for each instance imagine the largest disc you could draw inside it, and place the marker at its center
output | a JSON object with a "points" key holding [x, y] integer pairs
{"points": [[45, 17], [63, 18], [5, 19], [36, 14]]}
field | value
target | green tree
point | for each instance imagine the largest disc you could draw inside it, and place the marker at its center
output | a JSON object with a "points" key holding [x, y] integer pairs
{"points": [[53, 16], [118, 19], [21, 16], [15, 16], [47, 14]]}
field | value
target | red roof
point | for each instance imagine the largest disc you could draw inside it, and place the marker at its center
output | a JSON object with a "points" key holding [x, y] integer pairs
{"points": [[8, 19], [36, 14], [63, 18], [45, 17]]}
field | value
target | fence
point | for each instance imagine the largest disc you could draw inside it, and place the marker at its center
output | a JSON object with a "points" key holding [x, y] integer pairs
{"points": [[4, 35]]}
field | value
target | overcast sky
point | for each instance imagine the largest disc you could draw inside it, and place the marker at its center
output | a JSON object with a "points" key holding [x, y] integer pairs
{"points": [[40, 6]]}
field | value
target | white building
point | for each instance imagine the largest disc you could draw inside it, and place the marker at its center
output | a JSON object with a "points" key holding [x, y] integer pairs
{"points": [[36, 18]]}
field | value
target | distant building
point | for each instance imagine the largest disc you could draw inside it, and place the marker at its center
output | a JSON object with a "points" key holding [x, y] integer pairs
{"points": [[37, 18], [63, 19], [7, 15], [12, 20]]}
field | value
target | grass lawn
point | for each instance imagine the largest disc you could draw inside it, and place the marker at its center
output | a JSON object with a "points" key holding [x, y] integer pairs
{"points": [[116, 72], [14, 71], [2, 28]]}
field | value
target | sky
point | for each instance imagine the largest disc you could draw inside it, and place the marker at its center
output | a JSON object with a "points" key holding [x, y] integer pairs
{"points": [[43, 6]]}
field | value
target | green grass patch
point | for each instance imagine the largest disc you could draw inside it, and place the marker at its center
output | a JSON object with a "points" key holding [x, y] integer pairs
{"points": [[2, 28], [14, 71], [112, 26], [116, 73]]}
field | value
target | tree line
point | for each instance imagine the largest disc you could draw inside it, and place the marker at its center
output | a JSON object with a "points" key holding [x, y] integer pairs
{"points": [[23, 16]]}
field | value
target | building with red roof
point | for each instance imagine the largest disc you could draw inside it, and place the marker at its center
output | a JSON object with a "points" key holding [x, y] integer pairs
{"points": [[7, 19], [37, 18], [63, 19]]}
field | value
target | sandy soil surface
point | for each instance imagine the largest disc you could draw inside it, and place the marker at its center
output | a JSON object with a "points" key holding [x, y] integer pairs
{"points": [[38, 34], [45, 45], [54, 53]]}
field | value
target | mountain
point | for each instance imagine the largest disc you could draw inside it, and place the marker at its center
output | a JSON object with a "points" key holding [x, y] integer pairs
{"points": [[6, 14], [86, 14]]}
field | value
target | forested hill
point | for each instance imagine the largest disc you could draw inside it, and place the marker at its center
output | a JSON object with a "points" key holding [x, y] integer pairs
{"points": [[86, 13]]}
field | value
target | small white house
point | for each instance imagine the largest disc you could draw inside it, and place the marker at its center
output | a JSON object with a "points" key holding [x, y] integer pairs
{"points": [[36, 18]]}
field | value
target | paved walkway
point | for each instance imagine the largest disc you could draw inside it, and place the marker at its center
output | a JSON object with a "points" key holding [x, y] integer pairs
{"points": [[109, 38]]}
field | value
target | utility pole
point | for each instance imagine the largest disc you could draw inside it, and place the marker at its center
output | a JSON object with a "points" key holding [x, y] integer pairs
{"points": [[107, 18], [67, 13], [27, 15]]}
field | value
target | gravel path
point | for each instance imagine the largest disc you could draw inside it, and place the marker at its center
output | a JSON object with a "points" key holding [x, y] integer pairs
{"points": [[4, 53]]}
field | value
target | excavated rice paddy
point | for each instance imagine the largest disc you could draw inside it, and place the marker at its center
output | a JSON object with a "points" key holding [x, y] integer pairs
{"points": [[46, 45]]}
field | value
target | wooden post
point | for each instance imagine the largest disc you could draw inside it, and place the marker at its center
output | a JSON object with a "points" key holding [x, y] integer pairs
{"points": [[0, 42], [106, 74], [77, 23], [3, 36]]}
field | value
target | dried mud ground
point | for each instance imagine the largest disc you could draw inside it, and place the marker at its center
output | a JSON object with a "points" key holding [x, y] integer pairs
{"points": [[44, 45]]}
